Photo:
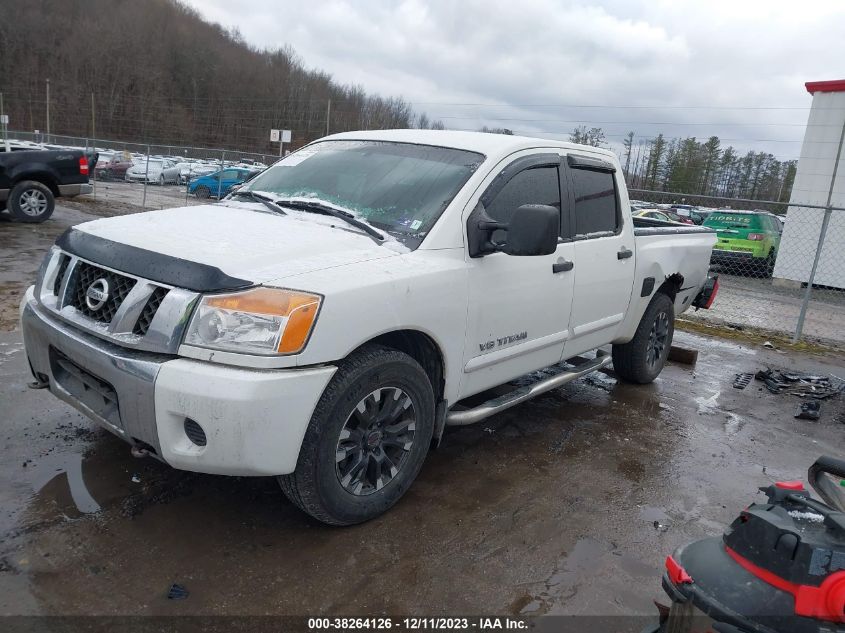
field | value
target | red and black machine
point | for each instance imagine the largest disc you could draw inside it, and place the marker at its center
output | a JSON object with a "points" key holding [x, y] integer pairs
{"points": [[779, 567]]}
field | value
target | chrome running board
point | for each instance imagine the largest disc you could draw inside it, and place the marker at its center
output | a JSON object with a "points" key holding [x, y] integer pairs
{"points": [[521, 394]]}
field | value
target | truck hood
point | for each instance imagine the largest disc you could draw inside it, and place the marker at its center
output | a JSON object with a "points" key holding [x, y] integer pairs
{"points": [[244, 241]]}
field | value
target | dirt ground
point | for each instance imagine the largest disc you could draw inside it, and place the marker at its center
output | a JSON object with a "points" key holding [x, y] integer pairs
{"points": [[565, 505], [761, 304], [121, 194]]}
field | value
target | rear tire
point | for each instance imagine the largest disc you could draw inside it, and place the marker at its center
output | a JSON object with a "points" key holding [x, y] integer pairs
{"points": [[31, 201], [641, 359], [367, 439]]}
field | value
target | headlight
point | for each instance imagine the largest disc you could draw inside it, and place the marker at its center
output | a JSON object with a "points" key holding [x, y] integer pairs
{"points": [[257, 321]]}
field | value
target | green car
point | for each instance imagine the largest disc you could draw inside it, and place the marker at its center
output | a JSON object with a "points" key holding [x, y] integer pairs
{"points": [[748, 241]]}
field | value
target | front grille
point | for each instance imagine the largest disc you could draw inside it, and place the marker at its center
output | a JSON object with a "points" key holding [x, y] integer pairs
{"points": [[86, 274], [149, 311], [64, 260]]}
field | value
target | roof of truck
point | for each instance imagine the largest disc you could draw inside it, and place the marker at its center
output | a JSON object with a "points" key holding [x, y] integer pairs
{"points": [[482, 142]]}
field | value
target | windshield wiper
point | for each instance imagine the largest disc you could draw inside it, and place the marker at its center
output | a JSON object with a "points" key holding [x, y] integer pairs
{"points": [[267, 202], [324, 209]]}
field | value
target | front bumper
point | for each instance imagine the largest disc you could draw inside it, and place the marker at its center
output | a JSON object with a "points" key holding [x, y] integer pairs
{"points": [[68, 191], [254, 420]]}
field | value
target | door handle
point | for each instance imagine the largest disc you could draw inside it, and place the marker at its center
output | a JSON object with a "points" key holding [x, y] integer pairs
{"points": [[625, 253], [563, 266]]}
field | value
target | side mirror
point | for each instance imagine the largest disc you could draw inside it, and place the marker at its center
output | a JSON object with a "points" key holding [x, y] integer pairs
{"points": [[533, 230]]}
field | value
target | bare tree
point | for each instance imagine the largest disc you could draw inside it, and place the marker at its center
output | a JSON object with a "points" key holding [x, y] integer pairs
{"points": [[593, 136]]}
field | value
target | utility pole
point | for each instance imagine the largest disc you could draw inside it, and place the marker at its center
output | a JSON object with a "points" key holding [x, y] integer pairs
{"points": [[93, 122], [4, 124], [48, 110], [328, 115]]}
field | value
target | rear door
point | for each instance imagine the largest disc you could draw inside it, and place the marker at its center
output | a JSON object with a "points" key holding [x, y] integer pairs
{"points": [[518, 312], [605, 257]]}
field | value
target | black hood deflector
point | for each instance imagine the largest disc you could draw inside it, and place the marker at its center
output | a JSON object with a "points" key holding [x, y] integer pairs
{"points": [[165, 269]]}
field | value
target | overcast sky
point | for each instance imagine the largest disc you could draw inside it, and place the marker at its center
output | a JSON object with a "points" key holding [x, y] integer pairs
{"points": [[541, 67]]}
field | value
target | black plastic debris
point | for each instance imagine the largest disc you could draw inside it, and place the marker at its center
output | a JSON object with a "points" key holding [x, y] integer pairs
{"points": [[809, 411], [177, 592], [741, 381], [803, 385]]}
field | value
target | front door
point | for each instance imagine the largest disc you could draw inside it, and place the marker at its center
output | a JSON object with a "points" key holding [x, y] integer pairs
{"points": [[518, 306]]}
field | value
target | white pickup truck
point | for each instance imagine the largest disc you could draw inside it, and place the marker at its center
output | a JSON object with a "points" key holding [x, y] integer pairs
{"points": [[325, 322]]}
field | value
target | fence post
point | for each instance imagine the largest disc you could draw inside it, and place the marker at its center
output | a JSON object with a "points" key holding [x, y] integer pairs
{"points": [[799, 327], [188, 181], [146, 176], [220, 176]]}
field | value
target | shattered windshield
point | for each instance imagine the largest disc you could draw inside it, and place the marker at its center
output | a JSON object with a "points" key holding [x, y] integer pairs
{"points": [[400, 188]]}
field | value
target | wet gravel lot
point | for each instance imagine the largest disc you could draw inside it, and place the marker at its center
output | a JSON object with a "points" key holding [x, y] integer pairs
{"points": [[565, 505]]}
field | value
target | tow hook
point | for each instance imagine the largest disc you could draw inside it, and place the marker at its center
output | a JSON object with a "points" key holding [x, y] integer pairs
{"points": [[139, 452], [41, 380]]}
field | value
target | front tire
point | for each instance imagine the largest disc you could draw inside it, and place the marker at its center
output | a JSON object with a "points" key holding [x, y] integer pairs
{"points": [[367, 439], [202, 192], [642, 359], [31, 201]]}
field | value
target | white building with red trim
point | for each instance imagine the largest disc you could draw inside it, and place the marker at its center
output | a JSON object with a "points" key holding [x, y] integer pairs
{"points": [[820, 153]]}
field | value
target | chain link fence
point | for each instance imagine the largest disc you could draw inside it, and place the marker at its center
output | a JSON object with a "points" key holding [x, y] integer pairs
{"points": [[138, 175], [781, 265]]}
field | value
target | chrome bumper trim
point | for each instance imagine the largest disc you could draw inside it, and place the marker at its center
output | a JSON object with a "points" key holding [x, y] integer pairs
{"points": [[68, 191], [131, 373]]}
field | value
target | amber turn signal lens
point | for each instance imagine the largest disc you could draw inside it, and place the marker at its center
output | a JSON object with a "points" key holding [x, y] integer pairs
{"points": [[299, 325]]}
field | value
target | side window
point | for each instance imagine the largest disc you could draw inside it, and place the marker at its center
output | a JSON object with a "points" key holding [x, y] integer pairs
{"points": [[540, 185], [596, 202]]}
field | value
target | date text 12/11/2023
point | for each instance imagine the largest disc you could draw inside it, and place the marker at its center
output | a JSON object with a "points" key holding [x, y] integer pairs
{"points": [[416, 624]]}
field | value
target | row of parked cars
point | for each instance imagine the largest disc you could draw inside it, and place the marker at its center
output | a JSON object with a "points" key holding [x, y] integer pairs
{"points": [[683, 213], [204, 178], [162, 170], [747, 241]]}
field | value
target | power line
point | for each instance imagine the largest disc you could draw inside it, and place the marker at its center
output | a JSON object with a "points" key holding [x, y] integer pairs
{"points": [[591, 122]]}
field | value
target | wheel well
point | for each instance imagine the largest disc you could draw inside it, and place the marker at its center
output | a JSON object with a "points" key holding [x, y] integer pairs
{"points": [[422, 349], [671, 285], [44, 179]]}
